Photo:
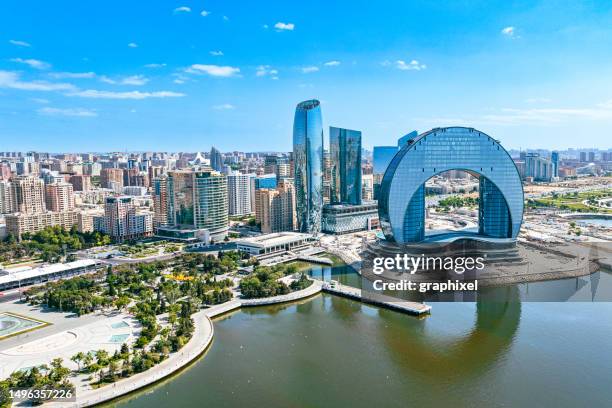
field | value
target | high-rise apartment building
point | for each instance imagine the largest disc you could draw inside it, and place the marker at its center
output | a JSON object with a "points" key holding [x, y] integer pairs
{"points": [[275, 208], [554, 158], [239, 194], [59, 197], [80, 182], [160, 201], [6, 198], [122, 221], [345, 154], [196, 200], [112, 178], [28, 194], [21, 223], [308, 165]]}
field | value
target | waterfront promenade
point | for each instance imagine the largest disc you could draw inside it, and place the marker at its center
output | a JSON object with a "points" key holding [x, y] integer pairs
{"points": [[200, 341], [203, 336]]}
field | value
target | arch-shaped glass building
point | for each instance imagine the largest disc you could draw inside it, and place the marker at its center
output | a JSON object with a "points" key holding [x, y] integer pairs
{"points": [[308, 165], [401, 204]]}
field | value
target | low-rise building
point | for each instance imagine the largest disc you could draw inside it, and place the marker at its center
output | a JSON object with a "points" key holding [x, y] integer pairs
{"points": [[274, 243], [346, 218]]}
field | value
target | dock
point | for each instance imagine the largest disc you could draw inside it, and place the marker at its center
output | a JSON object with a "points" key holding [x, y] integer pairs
{"points": [[414, 308]]}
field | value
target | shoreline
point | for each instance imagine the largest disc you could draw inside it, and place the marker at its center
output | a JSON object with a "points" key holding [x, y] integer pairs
{"points": [[203, 334]]}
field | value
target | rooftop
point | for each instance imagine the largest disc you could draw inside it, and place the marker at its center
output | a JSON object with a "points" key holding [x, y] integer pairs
{"points": [[278, 238], [21, 273]]}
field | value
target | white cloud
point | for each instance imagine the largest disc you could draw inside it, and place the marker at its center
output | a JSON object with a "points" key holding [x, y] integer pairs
{"points": [[412, 65], [217, 53], [333, 63], [307, 70], [155, 65], [96, 94], [213, 70], [265, 26], [74, 75], [225, 106], [266, 70], [205, 13], [33, 63], [538, 100], [225, 18], [40, 100], [133, 45], [531, 116], [80, 112], [182, 9], [136, 80], [20, 43], [284, 26], [11, 80], [508, 31]]}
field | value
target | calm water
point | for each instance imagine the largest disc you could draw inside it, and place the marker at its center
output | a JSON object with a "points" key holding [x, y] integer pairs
{"points": [[329, 351], [595, 221]]}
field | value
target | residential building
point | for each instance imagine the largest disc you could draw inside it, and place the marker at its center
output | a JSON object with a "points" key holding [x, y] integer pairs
{"points": [[239, 194], [59, 197], [122, 221], [28, 194], [21, 223], [275, 209]]}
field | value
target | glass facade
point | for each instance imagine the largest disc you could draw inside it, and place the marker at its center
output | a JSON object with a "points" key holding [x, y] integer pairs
{"points": [[266, 181], [180, 198], [308, 163], [345, 152], [401, 202]]}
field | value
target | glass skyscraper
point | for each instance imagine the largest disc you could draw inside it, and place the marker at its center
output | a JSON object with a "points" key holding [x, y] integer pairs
{"points": [[345, 152], [308, 163], [216, 159], [401, 206]]}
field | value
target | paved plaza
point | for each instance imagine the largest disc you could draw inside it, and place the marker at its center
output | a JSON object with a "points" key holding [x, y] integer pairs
{"points": [[65, 336]]}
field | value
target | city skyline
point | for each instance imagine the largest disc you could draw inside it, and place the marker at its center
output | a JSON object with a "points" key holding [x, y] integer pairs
{"points": [[228, 76]]}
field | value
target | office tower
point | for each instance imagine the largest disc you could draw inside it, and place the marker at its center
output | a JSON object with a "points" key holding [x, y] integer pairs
{"points": [[59, 197], [275, 208], [122, 221], [266, 181], [606, 156], [160, 201], [381, 157], [239, 194], [6, 198], [554, 158], [180, 198], [28, 194], [583, 157], [327, 175], [216, 159], [308, 165], [80, 182], [112, 178], [345, 153]]}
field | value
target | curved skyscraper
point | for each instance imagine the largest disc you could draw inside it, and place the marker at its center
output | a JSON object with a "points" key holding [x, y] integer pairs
{"points": [[308, 164]]}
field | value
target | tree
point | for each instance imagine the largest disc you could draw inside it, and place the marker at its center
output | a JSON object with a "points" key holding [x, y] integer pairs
{"points": [[78, 358], [5, 396], [102, 357]]}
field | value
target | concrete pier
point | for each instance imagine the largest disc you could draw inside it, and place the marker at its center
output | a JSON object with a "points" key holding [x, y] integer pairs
{"points": [[388, 302]]}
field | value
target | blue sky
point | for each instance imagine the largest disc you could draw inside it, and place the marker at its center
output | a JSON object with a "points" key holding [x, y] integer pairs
{"points": [[182, 76]]}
